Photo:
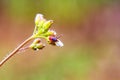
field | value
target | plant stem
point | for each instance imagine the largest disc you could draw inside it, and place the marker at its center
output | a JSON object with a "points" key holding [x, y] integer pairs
{"points": [[15, 51]]}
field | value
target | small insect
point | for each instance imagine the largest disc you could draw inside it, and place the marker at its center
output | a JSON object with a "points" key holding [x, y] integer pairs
{"points": [[54, 40]]}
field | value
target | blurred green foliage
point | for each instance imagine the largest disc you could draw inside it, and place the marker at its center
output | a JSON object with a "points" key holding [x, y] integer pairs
{"points": [[62, 10]]}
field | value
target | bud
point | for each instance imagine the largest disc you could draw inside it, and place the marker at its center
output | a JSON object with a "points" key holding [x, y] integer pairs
{"points": [[32, 46], [39, 18], [36, 45], [37, 40], [47, 25], [40, 46], [50, 33], [39, 21]]}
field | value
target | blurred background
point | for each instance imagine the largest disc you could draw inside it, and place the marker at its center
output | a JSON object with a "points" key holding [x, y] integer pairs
{"points": [[91, 35]]}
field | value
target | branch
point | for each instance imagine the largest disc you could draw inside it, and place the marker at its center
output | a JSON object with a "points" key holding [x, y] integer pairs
{"points": [[15, 51]]}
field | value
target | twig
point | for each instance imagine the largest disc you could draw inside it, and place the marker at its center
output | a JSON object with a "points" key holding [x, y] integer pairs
{"points": [[42, 30], [15, 51]]}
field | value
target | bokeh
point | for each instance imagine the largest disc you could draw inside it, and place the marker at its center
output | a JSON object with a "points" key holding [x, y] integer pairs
{"points": [[91, 37]]}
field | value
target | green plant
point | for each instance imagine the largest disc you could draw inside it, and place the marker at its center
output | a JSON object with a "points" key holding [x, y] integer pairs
{"points": [[42, 30]]}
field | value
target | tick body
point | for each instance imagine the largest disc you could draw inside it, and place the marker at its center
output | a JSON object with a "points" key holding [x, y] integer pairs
{"points": [[53, 39]]}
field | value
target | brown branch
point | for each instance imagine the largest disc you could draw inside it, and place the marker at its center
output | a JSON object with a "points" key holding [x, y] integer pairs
{"points": [[15, 51]]}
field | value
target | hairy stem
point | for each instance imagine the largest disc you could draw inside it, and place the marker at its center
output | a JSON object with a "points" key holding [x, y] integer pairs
{"points": [[15, 51]]}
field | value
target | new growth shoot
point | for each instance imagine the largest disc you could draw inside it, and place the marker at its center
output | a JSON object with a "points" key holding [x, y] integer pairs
{"points": [[42, 30]]}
